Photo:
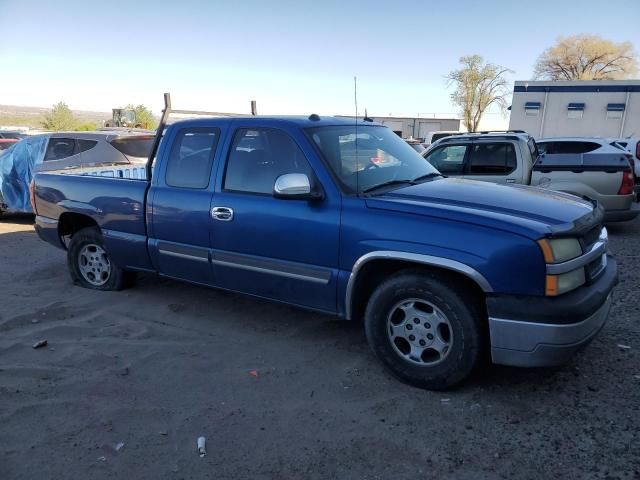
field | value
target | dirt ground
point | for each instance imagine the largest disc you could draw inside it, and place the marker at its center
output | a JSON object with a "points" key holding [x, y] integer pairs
{"points": [[282, 393]]}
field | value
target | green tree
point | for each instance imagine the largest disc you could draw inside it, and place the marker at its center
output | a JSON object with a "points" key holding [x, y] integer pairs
{"points": [[59, 118], [586, 57], [144, 116], [478, 85]]}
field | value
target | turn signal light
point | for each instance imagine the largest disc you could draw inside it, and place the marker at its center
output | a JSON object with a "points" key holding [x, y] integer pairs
{"points": [[551, 286]]}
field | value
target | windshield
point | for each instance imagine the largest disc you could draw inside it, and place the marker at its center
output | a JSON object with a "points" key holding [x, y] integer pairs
{"points": [[374, 157]]}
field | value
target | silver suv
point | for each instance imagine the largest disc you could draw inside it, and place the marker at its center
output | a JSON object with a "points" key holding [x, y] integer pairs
{"points": [[513, 157]]}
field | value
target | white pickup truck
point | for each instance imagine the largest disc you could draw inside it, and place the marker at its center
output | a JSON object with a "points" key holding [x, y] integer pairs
{"points": [[513, 157]]}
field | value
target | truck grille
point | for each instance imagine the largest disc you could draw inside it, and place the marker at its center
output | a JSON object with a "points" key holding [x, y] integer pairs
{"points": [[597, 266], [591, 237], [594, 269]]}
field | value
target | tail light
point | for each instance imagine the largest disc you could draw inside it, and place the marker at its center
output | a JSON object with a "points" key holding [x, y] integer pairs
{"points": [[32, 195], [628, 180]]}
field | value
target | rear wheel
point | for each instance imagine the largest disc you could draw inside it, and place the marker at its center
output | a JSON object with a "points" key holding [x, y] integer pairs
{"points": [[425, 329], [90, 265]]}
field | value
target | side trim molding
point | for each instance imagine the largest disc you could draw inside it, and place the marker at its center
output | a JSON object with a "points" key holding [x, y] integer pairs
{"points": [[197, 254], [271, 267], [415, 258]]}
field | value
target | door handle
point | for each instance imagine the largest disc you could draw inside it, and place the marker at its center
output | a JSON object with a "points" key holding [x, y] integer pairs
{"points": [[224, 214], [511, 180]]}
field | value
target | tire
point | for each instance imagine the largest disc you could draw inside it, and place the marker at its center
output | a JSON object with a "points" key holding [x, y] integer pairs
{"points": [[439, 313], [89, 264]]}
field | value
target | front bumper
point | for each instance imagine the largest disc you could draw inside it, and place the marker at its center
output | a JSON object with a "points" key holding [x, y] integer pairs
{"points": [[542, 332]]}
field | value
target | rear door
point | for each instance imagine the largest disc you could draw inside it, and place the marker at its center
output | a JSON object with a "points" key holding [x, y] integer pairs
{"points": [[283, 249], [493, 162], [180, 197]]}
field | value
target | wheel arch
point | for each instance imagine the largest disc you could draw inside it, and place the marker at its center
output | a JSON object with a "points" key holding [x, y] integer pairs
{"points": [[70, 222], [370, 269]]}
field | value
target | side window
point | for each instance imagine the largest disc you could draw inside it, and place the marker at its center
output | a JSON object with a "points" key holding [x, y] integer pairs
{"points": [[546, 147], [260, 155], [492, 159], [449, 159], [575, 147], [60, 148], [191, 158], [84, 145]]}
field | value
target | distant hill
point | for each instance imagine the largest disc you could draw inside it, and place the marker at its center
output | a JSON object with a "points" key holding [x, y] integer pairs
{"points": [[17, 116]]}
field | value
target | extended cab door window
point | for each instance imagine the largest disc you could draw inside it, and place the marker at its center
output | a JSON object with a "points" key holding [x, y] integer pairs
{"points": [[189, 164], [492, 159], [449, 159]]}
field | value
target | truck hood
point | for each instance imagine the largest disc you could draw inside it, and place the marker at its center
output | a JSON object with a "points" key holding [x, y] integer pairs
{"points": [[529, 210]]}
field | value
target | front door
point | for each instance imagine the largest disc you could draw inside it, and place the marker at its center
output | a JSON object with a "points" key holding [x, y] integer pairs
{"points": [[449, 159], [180, 199], [283, 249]]}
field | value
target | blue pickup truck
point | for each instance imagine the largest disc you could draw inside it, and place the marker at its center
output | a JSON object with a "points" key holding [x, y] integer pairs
{"points": [[343, 217]]}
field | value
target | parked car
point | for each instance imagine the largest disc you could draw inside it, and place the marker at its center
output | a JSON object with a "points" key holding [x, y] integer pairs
{"points": [[433, 137], [440, 269], [632, 145], [603, 174], [74, 149], [109, 153]]}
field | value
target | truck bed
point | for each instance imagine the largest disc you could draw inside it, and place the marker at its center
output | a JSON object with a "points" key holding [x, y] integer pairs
{"points": [[116, 204]]}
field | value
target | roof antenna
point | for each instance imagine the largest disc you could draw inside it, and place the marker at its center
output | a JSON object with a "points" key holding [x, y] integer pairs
{"points": [[366, 116], [355, 100]]}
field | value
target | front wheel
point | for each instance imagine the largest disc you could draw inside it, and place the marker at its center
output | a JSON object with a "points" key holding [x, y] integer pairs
{"points": [[425, 328], [90, 265]]}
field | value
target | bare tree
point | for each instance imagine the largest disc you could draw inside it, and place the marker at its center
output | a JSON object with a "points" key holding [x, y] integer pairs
{"points": [[586, 57], [478, 86]]}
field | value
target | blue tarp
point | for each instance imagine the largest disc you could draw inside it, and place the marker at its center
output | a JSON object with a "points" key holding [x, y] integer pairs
{"points": [[17, 165]]}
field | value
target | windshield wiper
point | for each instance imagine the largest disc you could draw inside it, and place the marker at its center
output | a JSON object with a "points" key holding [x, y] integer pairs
{"points": [[388, 184], [421, 178]]}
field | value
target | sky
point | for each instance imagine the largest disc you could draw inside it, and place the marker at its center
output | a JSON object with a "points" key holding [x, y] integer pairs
{"points": [[291, 56]]}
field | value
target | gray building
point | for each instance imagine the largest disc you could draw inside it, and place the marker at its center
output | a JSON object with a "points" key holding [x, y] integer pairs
{"points": [[593, 108], [417, 127]]}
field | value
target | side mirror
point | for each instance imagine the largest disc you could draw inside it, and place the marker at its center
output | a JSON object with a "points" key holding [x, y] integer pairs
{"points": [[293, 186]]}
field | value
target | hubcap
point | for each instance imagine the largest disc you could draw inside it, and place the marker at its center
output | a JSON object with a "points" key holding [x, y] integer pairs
{"points": [[94, 264], [419, 332]]}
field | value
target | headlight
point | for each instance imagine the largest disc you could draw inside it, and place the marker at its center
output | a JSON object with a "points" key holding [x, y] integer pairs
{"points": [[558, 250], [565, 282]]}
